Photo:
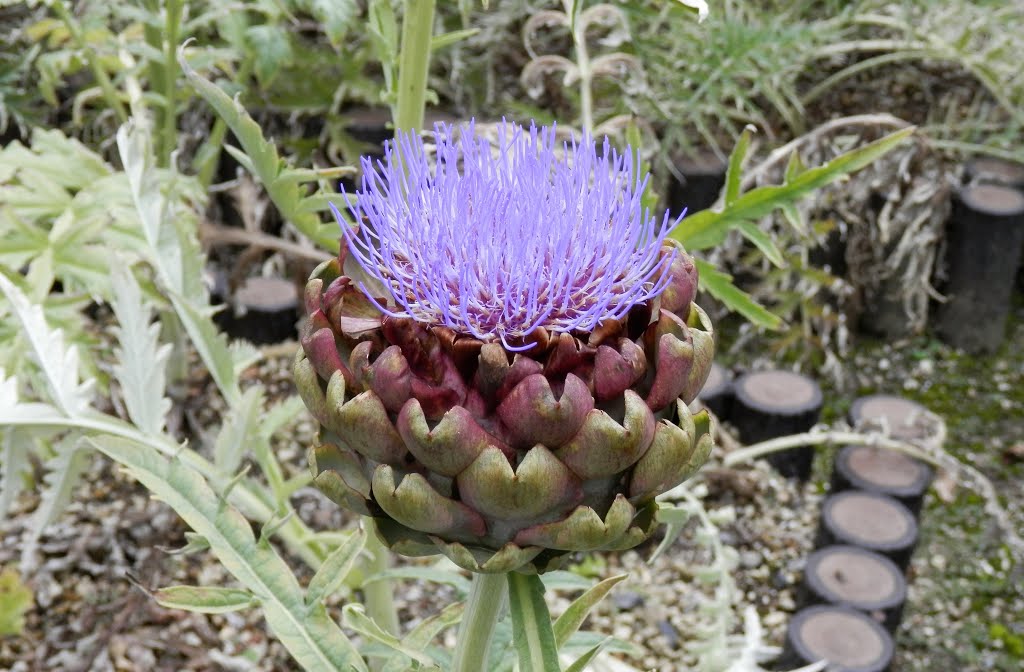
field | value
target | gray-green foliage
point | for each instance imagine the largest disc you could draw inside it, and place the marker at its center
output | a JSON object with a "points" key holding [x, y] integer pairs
{"points": [[175, 473]]}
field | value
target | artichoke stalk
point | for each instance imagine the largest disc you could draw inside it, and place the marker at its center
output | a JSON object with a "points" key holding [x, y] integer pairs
{"points": [[501, 358]]}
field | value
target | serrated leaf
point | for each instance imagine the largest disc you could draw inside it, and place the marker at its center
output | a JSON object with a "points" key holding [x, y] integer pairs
{"points": [[572, 618], [708, 228], [266, 165], [720, 286], [271, 49], [141, 361], [64, 469], [59, 363], [532, 633], [355, 618], [335, 16], [239, 430], [175, 258], [205, 599], [314, 640], [335, 569], [280, 414]]}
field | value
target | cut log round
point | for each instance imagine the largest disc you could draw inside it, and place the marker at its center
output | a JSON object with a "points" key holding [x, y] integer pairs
{"points": [[717, 393], [882, 471], [848, 639], [869, 520], [985, 234], [770, 404], [263, 310], [990, 170], [857, 578], [904, 419]]}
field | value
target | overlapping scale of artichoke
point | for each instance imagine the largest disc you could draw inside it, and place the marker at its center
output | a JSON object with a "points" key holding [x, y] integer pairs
{"points": [[504, 461]]}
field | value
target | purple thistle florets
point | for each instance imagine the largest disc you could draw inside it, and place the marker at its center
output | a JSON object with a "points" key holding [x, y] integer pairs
{"points": [[496, 240]]}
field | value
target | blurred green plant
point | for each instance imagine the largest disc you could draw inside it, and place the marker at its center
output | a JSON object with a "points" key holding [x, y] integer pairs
{"points": [[15, 600]]}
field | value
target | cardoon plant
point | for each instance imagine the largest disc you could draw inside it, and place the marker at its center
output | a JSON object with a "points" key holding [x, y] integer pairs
{"points": [[502, 356]]}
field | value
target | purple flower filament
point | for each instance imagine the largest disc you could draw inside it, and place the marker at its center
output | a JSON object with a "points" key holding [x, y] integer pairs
{"points": [[496, 241]]}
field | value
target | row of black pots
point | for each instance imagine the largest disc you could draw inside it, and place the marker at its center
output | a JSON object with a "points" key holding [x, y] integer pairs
{"points": [[855, 584]]}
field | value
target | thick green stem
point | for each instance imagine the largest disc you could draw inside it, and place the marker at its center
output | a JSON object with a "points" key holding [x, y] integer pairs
{"points": [[579, 40], [169, 131], [486, 599], [380, 604], [414, 64], [89, 54]]}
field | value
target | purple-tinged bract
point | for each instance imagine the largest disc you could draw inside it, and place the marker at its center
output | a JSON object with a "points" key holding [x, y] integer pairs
{"points": [[496, 239]]}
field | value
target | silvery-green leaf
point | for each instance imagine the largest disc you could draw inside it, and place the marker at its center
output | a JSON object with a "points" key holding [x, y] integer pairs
{"points": [[267, 166], [70, 460], [58, 362], [422, 635], [13, 463], [532, 633], [355, 617], [580, 664], [572, 618], [205, 599], [141, 359], [314, 640], [175, 256], [336, 567], [239, 430]]}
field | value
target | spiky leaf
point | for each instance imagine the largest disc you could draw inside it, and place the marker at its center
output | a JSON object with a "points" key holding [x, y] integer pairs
{"points": [[58, 362], [310, 635], [141, 359]]}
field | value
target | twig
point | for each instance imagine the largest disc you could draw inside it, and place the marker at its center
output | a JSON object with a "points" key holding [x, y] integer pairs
{"points": [[214, 234]]}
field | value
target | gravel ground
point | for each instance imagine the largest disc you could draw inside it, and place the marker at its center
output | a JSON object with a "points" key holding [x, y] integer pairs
{"points": [[92, 612]]}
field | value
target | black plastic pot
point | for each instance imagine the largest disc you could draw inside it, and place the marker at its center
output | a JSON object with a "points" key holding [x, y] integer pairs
{"points": [[985, 235]]}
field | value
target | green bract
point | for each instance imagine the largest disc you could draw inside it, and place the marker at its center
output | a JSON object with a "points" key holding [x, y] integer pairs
{"points": [[504, 461]]}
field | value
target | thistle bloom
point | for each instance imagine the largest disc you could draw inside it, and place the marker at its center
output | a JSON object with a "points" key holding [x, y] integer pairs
{"points": [[509, 380], [497, 241]]}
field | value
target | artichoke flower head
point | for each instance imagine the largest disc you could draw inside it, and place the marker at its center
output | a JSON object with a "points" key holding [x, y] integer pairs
{"points": [[502, 356]]}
